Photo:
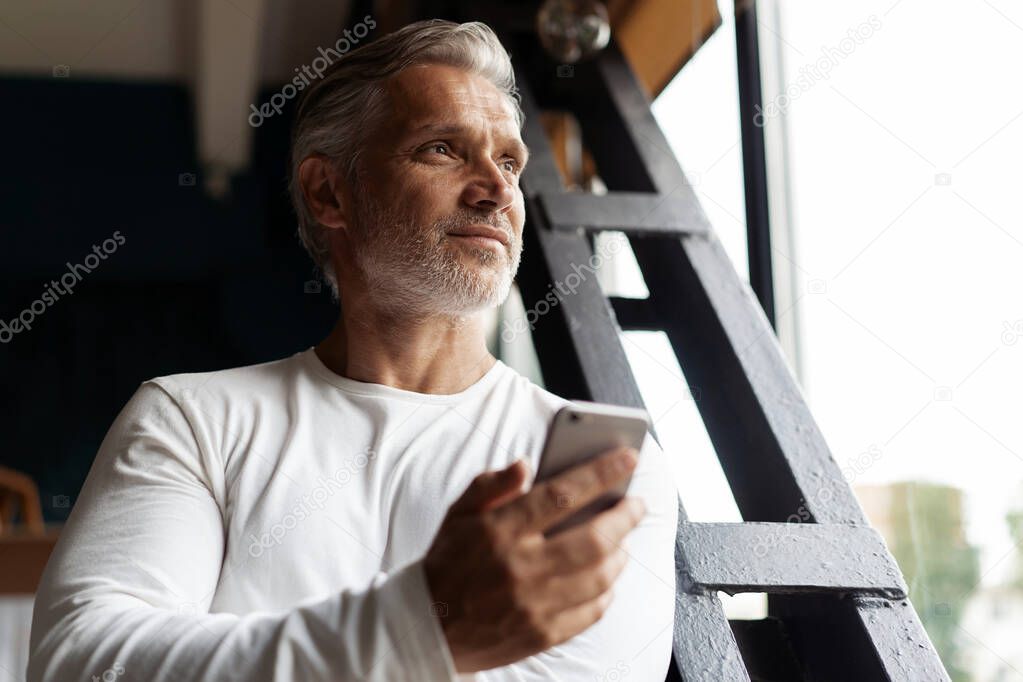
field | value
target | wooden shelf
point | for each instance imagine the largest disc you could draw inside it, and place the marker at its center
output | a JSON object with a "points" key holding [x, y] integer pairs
{"points": [[23, 557]]}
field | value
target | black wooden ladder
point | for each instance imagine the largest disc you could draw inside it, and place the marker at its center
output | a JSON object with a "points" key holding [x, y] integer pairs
{"points": [[837, 602]]}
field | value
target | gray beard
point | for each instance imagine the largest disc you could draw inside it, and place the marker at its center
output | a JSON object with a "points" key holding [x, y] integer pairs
{"points": [[415, 270]]}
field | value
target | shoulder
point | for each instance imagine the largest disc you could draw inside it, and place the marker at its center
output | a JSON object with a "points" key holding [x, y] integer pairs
{"points": [[236, 384], [212, 412], [518, 388], [202, 420]]}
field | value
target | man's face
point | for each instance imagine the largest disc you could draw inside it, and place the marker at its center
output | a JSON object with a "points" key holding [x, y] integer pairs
{"points": [[441, 170]]}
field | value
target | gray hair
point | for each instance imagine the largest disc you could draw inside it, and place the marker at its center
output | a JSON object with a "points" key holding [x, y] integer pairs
{"points": [[335, 113]]}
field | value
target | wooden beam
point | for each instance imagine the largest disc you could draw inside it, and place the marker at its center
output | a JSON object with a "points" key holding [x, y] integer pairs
{"points": [[658, 37]]}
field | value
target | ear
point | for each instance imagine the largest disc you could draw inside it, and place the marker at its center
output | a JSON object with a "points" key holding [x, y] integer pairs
{"points": [[324, 190]]}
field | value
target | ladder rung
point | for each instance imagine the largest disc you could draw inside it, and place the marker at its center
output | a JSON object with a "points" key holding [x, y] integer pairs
{"points": [[634, 213], [788, 557]]}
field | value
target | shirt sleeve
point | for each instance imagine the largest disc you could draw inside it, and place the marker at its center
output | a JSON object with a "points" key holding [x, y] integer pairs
{"points": [[128, 587], [633, 639]]}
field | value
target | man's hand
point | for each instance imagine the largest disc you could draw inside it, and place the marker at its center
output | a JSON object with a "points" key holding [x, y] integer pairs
{"points": [[505, 590]]}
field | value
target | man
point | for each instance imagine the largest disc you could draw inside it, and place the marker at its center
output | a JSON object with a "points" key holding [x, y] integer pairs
{"points": [[324, 517]]}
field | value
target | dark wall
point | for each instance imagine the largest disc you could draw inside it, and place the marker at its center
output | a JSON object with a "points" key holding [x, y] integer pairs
{"points": [[191, 284]]}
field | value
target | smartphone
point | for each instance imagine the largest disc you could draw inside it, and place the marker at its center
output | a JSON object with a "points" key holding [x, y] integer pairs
{"points": [[581, 431]]}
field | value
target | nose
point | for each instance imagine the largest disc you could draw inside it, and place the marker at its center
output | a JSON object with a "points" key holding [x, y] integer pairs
{"points": [[489, 189]]}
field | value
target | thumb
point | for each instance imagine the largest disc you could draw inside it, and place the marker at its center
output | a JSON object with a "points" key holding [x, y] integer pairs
{"points": [[493, 488]]}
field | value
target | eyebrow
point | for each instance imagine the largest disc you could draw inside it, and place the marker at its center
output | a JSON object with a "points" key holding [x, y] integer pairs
{"points": [[458, 129]]}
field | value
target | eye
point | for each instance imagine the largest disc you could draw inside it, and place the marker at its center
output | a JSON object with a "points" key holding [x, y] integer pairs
{"points": [[513, 163], [438, 145]]}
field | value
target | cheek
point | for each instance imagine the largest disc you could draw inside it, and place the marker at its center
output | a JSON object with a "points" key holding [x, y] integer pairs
{"points": [[428, 200], [518, 215]]}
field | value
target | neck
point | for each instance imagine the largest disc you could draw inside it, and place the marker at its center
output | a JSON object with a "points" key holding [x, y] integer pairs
{"points": [[427, 354]]}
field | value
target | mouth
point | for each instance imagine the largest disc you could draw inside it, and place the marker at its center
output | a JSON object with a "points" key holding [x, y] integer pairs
{"points": [[481, 235]]}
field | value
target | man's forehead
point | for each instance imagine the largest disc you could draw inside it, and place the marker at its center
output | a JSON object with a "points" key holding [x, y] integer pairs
{"points": [[426, 94]]}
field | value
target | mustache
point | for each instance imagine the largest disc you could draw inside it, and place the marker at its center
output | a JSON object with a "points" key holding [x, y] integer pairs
{"points": [[464, 219]]}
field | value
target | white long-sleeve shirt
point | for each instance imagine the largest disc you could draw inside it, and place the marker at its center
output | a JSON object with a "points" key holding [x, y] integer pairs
{"points": [[269, 523]]}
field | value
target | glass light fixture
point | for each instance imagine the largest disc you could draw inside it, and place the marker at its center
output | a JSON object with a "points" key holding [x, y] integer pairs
{"points": [[573, 30]]}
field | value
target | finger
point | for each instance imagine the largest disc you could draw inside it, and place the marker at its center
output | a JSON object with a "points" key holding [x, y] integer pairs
{"points": [[492, 488], [562, 495], [561, 627], [572, 589], [590, 542], [512, 491]]}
